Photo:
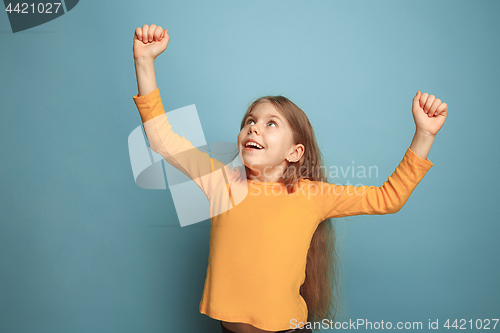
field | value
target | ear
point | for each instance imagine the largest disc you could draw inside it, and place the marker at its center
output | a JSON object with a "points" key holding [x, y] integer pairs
{"points": [[296, 154]]}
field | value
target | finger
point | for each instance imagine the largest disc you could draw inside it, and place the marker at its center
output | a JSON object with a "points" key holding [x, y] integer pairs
{"points": [[442, 109], [138, 33], [145, 29], [428, 103], [435, 104], [423, 99], [158, 34], [151, 32]]}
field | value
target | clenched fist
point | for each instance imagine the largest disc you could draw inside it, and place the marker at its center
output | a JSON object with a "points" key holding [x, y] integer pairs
{"points": [[150, 41], [429, 113]]}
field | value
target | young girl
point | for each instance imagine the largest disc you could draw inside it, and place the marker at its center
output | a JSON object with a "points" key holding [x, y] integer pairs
{"points": [[272, 261]]}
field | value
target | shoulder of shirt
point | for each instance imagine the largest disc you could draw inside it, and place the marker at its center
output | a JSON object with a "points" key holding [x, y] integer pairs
{"points": [[309, 182]]}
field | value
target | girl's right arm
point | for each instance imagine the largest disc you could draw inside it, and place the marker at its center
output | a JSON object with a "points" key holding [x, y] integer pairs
{"points": [[149, 42]]}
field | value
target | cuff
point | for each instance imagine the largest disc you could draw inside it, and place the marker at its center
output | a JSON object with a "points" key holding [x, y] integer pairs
{"points": [[427, 164], [149, 105], [145, 99]]}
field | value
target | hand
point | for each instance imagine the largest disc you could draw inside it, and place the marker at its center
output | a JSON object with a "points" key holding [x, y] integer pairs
{"points": [[150, 41], [429, 113]]}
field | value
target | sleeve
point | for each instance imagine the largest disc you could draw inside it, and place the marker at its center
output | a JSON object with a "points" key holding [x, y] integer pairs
{"points": [[339, 200], [175, 149]]}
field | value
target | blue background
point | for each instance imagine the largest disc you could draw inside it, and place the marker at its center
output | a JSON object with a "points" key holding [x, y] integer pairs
{"points": [[84, 249]]}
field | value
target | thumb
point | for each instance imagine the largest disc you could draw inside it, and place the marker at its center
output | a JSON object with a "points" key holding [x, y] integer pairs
{"points": [[162, 37], [416, 99]]}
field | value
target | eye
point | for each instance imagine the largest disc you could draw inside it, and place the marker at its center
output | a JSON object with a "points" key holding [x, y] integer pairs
{"points": [[270, 122]]}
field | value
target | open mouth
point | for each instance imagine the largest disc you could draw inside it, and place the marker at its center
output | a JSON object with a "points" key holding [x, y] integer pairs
{"points": [[250, 145]]}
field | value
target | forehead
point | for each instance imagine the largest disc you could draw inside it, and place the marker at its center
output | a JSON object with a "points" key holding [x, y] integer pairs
{"points": [[265, 109]]}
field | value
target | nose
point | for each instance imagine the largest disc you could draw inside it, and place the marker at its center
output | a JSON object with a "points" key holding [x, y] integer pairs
{"points": [[252, 128]]}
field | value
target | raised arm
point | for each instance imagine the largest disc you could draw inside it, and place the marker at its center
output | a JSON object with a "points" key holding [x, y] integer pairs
{"points": [[175, 149], [347, 200], [429, 114], [149, 42]]}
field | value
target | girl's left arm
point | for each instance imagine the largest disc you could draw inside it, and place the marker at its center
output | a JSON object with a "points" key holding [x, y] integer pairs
{"points": [[429, 114], [334, 200]]}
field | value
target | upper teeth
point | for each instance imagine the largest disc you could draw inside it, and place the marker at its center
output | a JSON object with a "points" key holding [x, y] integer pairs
{"points": [[255, 144]]}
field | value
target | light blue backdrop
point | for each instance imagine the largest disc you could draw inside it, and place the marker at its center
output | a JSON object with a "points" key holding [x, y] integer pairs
{"points": [[84, 249]]}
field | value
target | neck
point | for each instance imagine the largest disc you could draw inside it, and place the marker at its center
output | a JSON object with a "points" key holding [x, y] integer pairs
{"points": [[273, 176]]}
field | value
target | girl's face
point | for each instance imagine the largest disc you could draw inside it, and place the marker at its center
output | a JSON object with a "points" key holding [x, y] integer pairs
{"points": [[273, 134]]}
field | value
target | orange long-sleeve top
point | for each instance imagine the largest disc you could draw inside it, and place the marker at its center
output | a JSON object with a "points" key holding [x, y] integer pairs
{"points": [[260, 234]]}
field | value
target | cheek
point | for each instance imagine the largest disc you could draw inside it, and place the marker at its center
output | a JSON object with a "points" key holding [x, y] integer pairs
{"points": [[239, 137], [275, 141]]}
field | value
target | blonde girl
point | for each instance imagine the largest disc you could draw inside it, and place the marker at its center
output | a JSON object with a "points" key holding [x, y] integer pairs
{"points": [[273, 264]]}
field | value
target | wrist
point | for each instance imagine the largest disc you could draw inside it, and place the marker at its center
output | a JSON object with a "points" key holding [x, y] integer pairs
{"points": [[422, 143], [425, 134], [144, 60]]}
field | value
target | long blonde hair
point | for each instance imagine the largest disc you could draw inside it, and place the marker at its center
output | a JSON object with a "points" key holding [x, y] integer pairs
{"points": [[321, 288]]}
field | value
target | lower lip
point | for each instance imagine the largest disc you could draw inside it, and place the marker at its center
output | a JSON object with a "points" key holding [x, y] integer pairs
{"points": [[252, 148]]}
